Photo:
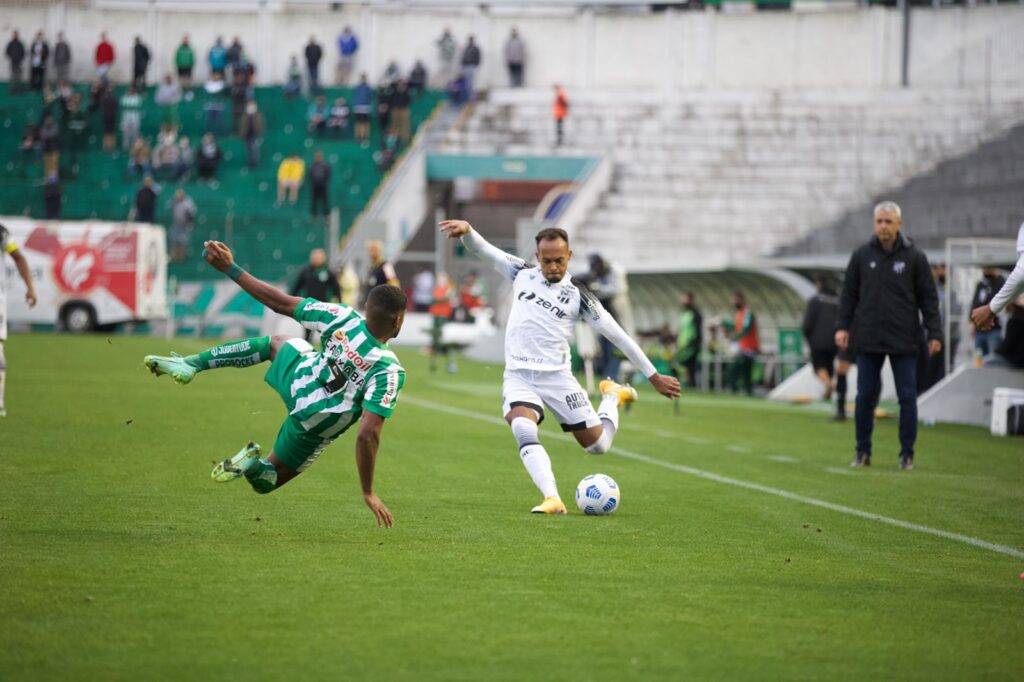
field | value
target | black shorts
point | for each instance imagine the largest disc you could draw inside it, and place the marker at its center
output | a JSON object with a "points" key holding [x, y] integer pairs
{"points": [[824, 359], [185, 71], [362, 118]]}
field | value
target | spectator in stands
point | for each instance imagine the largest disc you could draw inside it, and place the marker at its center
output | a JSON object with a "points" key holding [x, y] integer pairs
{"points": [[131, 117], [290, 175], [423, 290], [446, 49], [470, 63], [515, 58], [560, 111], [888, 286], [186, 159], [293, 83], [317, 115], [316, 280], [385, 156], [38, 54], [401, 122], [183, 219], [381, 271], [319, 181], [251, 129], [457, 93], [384, 96], [314, 53], [218, 58], [30, 141], [184, 62], [62, 59], [819, 328], [15, 58], [105, 56], [51, 105], [689, 339], [417, 79], [138, 158], [168, 96], [338, 122], [746, 344], [51, 198], [214, 104], [240, 98], [166, 156], [140, 63], [208, 157], [362, 105], [76, 123], [1010, 351], [348, 45], [392, 73], [234, 56], [49, 138], [442, 309], [985, 342], [145, 201]]}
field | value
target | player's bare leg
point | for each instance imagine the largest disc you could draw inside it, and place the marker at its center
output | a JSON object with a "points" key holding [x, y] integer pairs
{"points": [[598, 439], [523, 421]]}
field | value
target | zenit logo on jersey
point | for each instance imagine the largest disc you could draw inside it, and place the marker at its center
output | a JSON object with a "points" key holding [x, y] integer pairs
{"points": [[543, 303]]}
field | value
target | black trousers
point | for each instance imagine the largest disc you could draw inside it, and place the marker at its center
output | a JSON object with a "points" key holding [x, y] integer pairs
{"points": [[320, 198]]}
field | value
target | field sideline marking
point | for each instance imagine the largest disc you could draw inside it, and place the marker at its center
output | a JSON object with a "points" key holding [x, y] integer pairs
{"points": [[707, 475]]}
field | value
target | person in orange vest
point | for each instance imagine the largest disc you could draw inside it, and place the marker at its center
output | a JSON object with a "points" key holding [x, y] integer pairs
{"points": [[561, 110], [744, 335], [442, 310]]}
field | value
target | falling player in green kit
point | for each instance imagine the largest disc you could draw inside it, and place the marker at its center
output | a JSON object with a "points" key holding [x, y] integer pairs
{"points": [[355, 377]]}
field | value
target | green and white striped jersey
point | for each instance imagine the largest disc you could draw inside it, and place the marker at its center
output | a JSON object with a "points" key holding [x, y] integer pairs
{"points": [[352, 372]]}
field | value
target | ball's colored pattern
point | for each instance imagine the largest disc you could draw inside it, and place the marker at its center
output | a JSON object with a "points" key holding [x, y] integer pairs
{"points": [[597, 495]]}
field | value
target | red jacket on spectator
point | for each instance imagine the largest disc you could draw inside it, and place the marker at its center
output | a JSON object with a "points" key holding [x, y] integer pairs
{"points": [[104, 53]]}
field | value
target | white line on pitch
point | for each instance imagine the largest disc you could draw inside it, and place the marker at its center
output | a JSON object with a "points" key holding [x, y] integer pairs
{"points": [[707, 475], [785, 459], [838, 470], [737, 448]]}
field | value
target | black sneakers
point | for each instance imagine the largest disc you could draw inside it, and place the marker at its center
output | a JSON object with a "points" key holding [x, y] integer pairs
{"points": [[863, 459]]}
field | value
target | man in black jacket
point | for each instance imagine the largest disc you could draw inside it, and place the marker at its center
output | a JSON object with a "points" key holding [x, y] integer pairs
{"points": [[888, 286], [140, 63], [38, 54], [316, 281], [314, 53], [819, 327], [16, 56]]}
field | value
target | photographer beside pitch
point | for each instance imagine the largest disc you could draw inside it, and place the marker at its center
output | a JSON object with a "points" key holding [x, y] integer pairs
{"points": [[545, 309], [888, 285]]}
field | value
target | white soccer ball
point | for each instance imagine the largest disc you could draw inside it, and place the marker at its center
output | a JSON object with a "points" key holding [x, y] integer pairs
{"points": [[597, 495]]}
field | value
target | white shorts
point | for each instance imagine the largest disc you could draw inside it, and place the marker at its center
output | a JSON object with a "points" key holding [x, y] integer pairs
{"points": [[559, 390]]}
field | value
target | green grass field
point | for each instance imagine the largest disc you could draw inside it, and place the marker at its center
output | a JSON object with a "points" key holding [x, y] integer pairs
{"points": [[121, 560]]}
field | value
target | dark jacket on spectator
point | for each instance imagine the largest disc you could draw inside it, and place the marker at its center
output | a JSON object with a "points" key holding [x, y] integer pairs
{"points": [[313, 55], [889, 292], [15, 51], [145, 205], [61, 53], [319, 175], [319, 283], [819, 325], [141, 56], [51, 200], [471, 56]]}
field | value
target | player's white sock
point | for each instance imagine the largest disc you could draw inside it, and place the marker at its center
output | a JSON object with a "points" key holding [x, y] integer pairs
{"points": [[535, 457], [608, 412]]}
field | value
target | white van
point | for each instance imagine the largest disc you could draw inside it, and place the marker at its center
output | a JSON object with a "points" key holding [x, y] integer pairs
{"points": [[88, 273]]}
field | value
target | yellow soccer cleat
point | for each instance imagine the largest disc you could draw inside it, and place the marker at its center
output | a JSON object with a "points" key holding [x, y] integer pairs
{"points": [[626, 393], [550, 505]]}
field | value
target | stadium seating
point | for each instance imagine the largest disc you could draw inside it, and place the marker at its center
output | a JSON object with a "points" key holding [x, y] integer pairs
{"points": [[239, 206], [721, 178]]}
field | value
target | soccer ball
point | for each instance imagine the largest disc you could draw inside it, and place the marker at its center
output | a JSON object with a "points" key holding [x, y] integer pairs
{"points": [[597, 495]]}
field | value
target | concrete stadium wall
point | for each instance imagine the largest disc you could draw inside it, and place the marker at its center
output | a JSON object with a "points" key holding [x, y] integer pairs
{"points": [[673, 51]]}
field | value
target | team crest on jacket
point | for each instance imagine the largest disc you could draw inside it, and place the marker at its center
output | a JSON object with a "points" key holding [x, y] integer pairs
{"points": [[565, 296], [898, 267]]}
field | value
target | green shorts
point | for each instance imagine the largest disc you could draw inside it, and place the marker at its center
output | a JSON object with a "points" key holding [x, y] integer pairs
{"points": [[296, 447]]}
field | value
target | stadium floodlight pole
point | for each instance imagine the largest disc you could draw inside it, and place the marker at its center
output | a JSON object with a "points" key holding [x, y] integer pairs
{"points": [[905, 66]]}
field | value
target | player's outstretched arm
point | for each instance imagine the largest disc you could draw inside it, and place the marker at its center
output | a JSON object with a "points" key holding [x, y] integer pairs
{"points": [[220, 257], [26, 275], [984, 317], [505, 263], [367, 443]]}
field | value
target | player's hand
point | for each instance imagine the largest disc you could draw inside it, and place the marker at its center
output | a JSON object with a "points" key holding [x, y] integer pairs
{"points": [[934, 347], [983, 318], [454, 228], [218, 255], [842, 339], [380, 510], [666, 385], [30, 298]]}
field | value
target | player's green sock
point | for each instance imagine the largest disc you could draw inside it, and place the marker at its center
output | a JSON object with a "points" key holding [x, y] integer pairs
{"points": [[244, 353], [262, 476]]}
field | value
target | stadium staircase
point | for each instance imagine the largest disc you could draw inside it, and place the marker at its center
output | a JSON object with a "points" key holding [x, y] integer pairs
{"points": [[239, 206], [710, 180]]}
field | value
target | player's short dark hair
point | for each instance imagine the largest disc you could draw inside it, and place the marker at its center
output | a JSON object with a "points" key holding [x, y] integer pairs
{"points": [[385, 303], [549, 233]]}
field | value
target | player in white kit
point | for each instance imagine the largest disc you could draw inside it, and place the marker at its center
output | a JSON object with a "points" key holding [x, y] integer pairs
{"points": [[985, 316], [537, 364], [8, 246]]}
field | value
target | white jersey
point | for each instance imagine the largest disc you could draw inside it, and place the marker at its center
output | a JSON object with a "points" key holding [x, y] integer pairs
{"points": [[7, 246], [544, 314], [1014, 286]]}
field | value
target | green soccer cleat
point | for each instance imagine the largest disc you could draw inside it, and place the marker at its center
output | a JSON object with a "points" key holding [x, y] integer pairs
{"points": [[230, 469], [175, 366]]}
